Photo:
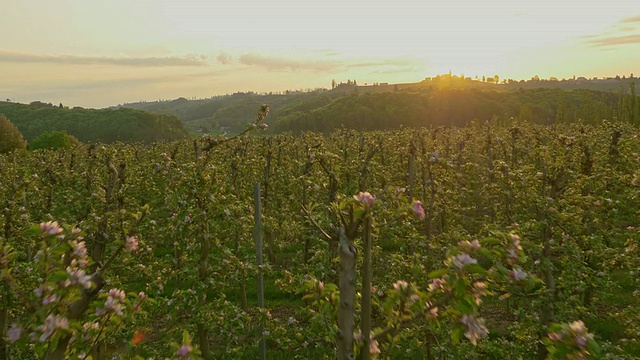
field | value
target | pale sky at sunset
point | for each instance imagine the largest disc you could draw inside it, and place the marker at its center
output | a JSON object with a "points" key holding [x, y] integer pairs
{"points": [[96, 53]]}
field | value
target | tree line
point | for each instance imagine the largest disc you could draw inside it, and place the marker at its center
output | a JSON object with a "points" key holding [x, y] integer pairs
{"points": [[460, 107], [90, 125]]}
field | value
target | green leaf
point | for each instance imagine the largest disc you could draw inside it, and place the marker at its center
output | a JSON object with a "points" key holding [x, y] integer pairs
{"points": [[593, 346], [437, 273], [460, 288], [502, 270], [464, 306], [475, 269], [457, 334], [186, 339], [59, 275], [490, 241], [485, 252]]}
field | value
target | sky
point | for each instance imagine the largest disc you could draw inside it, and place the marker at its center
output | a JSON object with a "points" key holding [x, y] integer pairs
{"points": [[96, 53]]}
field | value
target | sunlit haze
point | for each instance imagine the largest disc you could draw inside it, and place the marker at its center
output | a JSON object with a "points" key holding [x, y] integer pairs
{"points": [[94, 53]]}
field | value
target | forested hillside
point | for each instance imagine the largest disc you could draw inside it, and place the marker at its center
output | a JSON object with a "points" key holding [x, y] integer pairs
{"points": [[444, 100], [90, 125], [435, 107], [231, 112]]}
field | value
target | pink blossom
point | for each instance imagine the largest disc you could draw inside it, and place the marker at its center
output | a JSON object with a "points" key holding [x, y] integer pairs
{"points": [[581, 341], [51, 228], [114, 303], [80, 252], [578, 327], [479, 290], [475, 328], [555, 336], [515, 239], [78, 276], [437, 284], [462, 260], [50, 299], [518, 275], [14, 333], [416, 206], [131, 244], [473, 245], [401, 286], [51, 324], [365, 198], [184, 350], [374, 350]]}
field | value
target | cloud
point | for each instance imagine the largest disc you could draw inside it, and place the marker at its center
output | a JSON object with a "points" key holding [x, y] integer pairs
{"points": [[274, 63], [328, 52], [615, 40], [329, 64], [224, 58], [390, 66], [188, 60], [616, 36], [634, 19], [393, 62]]}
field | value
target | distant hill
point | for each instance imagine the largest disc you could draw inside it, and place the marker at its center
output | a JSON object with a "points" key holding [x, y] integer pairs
{"points": [[444, 99], [435, 107], [90, 125], [231, 113]]}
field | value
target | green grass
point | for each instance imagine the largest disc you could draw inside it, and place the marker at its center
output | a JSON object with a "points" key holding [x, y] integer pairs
{"points": [[271, 354], [273, 295]]}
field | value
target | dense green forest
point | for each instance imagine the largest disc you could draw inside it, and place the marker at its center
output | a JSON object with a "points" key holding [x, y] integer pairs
{"points": [[445, 100], [230, 113], [459, 107], [90, 125]]}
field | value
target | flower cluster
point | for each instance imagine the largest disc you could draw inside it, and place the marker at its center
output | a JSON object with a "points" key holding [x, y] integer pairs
{"points": [[476, 329], [131, 244], [51, 228], [518, 274], [51, 325], [80, 255], [365, 198], [88, 329], [184, 351], [512, 252], [469, 245], [406, 291], [462, 260], [572, 339], [416, 206], [114, 303], [14, 333], [77, 277], [438, 283]]}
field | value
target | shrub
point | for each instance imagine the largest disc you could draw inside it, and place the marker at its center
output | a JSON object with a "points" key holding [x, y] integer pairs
{"points": [[53, 140], [10, 136]]}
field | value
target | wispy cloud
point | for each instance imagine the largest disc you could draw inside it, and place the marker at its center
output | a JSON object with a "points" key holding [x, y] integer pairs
{"points": [[187, 60], [617, 34], [329, 63], [615, 40], [633, 19], [275, 63], [393, 62]]}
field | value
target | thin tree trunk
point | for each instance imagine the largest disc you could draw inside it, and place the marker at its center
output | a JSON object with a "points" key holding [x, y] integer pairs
{"points": [[365, 317], [346, 309]]}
